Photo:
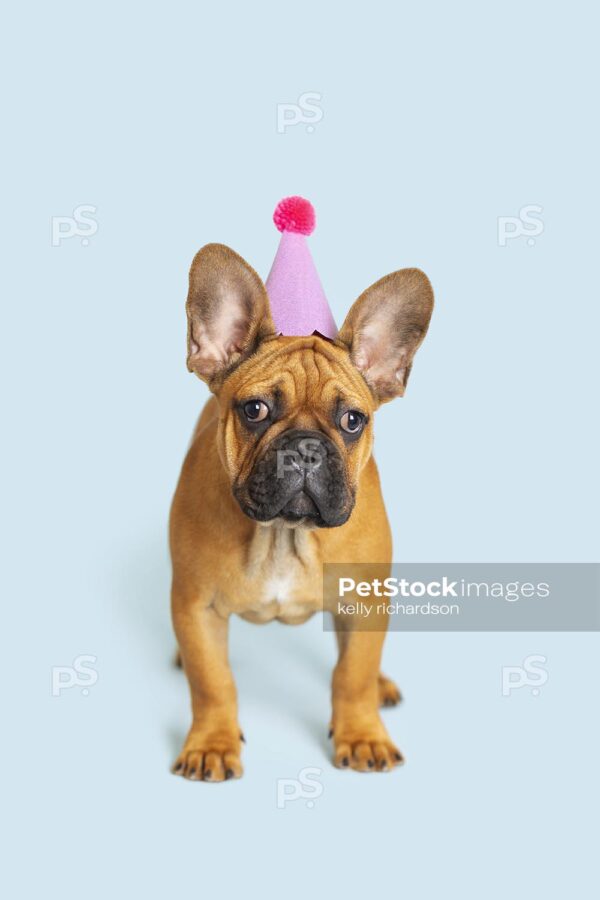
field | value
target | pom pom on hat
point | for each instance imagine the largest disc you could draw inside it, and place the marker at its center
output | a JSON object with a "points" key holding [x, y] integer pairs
{"points": [[296, 215]]}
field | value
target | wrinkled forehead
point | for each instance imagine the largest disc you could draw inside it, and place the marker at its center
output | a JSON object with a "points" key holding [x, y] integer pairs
{"points": [[303, 372]]}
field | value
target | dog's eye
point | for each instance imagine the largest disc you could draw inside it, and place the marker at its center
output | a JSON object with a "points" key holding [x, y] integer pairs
{"points": [[352, 421], [256, 410]]}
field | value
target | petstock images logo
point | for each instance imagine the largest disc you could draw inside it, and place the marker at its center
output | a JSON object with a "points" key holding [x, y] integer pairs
{"points": [[465, 596]]}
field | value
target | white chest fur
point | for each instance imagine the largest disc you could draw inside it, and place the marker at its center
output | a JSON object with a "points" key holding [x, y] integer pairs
{"points": [[279, 588], [283, 568]]}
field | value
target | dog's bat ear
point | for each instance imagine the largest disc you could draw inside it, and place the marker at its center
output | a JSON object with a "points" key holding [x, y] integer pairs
{"points": [[385, 328], [227, 311]]}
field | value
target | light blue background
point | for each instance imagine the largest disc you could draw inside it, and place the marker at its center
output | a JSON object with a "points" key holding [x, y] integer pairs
{"points": [[437, 119]]}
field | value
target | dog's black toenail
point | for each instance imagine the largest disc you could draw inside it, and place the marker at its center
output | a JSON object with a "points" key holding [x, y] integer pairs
{"points": [[228, 774], [398, 756], [330, 735], [192, 772], [370, 763], [208, 773], [242, 738], [345, 761], [383, 765], [178, 767]]}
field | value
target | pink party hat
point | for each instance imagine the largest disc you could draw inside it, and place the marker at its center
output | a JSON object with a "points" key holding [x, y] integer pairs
{"points": [[298, 303]]}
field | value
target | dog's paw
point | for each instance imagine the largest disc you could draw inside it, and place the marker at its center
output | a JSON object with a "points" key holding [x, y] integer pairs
{"points": [[365, 749], [209, 758], [389, 693]]}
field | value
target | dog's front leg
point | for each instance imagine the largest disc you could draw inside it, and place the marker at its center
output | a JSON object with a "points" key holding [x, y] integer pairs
{"points": [[360, 737], [212, 748]]}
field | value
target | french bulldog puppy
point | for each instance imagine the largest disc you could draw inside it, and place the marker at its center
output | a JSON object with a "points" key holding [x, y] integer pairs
{"points": [[279, 480]]}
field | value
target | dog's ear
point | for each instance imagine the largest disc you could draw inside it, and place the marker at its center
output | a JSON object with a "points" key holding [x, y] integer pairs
{"points": [[385, 328], [227, 310]]}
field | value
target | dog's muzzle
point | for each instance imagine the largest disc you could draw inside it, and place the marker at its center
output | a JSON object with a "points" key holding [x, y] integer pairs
{"points": [[300, 476]]}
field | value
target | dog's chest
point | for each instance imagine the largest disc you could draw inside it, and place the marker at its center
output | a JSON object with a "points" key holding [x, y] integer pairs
{"points": [[283, 575]]}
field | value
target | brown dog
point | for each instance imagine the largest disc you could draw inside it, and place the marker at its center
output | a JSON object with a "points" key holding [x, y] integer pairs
{"points": [[278, 481]]}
